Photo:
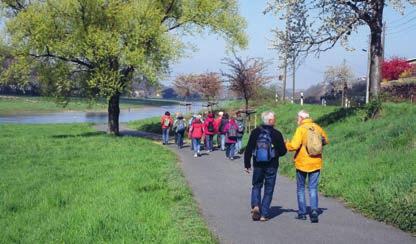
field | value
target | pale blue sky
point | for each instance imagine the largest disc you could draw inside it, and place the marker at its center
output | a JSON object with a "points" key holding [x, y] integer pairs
{"points": [[401, 30]]}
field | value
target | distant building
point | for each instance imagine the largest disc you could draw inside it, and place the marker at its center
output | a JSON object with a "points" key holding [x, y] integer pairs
{"points": [[412, 61]]}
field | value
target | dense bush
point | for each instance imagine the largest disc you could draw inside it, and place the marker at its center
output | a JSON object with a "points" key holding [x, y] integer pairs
{"points": [[393, 68]]}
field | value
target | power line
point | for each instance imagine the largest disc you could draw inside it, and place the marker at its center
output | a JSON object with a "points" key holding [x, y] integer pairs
{"points": [[406, 28], [396, 22]]}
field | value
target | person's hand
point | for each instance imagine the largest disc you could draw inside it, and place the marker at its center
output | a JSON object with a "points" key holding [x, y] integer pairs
{"points": [[247, 170]]}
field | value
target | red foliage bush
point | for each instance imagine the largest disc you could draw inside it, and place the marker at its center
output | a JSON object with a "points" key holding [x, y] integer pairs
{"points": [[391, 69]]}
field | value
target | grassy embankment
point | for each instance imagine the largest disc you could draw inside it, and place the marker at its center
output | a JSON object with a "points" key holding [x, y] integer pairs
{"points": [[67, 183], [19, 105], [371, 164]]}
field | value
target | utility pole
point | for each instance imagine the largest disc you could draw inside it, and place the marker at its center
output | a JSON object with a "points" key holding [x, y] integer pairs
{"points": [[286, 53], [367, 87], [293, 76], [383, 41]]}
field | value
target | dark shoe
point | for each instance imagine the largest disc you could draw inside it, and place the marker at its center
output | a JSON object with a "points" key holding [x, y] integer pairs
{"points": [[263, 219], [314, 216], [255, 213], [301, 217]]}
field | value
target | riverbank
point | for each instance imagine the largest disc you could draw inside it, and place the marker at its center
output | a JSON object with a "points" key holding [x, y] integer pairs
{"points": [[21, 105], [69, 183]]}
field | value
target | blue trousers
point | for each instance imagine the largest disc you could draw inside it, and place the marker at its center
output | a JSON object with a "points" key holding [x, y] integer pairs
{"points": [[263, 176], [165, 135], [313, 189]]}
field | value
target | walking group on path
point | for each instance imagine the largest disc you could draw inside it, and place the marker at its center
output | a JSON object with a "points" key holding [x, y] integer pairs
{"points": [[261, 155]]}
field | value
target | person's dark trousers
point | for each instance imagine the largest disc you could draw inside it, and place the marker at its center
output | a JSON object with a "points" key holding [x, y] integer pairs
{"points": [[165, 135], [263, 176], [179, 139], [313, 190], [230, 150], [209, 142]]}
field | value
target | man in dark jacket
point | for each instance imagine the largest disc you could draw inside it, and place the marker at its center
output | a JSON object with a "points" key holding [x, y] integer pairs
{"points": [[265, 146]]}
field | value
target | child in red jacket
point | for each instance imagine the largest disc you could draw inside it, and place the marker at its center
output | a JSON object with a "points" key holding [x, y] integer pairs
{"points": [[196, 131]]}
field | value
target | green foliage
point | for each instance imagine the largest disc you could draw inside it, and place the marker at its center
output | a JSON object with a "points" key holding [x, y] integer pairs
{"points": [[62, 184], [100, 44]]}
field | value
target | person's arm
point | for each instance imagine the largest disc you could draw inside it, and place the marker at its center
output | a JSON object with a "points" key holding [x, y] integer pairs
{"points": [[324, 137], [280, 145], [296, 141], [248, 153], [161, 120]]}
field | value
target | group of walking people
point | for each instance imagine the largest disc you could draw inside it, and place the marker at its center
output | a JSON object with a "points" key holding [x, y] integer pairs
{"points": [[261, 155], [228, 130]]}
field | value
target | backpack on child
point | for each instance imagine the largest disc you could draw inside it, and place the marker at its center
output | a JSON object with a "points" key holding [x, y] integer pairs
{"points": [[222, 125], [232, 132], [181, 126], [166, 122], [264, 151], [210, 126]]}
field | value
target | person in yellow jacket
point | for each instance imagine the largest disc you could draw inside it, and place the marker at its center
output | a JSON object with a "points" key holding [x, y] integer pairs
{"points": [[306, 165]]}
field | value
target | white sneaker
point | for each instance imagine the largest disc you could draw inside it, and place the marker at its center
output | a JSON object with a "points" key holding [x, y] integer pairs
{"points": [[195, 155]]}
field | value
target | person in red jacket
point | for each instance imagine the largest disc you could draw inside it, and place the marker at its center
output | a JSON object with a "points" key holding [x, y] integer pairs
{"points": [[196, 131], [217, 123], [209, 131], [230, 130], [166, 122]]}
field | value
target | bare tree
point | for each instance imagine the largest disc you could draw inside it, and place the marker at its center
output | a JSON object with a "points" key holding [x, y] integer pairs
{"points": [[327, 22], [246, 76], [338, 79]]}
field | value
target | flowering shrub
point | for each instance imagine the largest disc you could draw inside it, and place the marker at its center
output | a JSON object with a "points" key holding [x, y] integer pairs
{"points": [[393, 68]]}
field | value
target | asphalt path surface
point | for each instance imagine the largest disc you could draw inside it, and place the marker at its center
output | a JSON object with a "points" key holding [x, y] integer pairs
{"points": [[222, 190]]}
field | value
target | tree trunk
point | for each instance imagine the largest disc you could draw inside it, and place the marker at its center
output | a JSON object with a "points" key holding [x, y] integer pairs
{"points": [[113, 114], [376, 51], [246, 105]]}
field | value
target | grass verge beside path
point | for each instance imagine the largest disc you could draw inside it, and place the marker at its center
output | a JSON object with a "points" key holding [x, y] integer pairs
{"points": [[369, 164], [68, 183]]}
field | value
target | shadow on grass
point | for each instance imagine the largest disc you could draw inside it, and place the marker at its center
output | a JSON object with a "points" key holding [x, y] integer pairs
{"points": [[87, 134], [336, 116], [151, 127]]}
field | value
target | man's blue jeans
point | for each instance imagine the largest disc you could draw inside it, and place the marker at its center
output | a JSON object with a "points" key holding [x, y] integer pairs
{"points": [[209, 140], [196, 144], [230, 150], [313, 189], [165, 135], [263, 176]]}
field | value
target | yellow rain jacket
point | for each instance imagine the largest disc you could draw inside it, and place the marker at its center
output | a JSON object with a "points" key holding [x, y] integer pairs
{"points": [[303, 161]]}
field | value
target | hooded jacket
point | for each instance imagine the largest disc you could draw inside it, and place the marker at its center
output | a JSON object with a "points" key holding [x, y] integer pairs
{"points": [[303, 161]]}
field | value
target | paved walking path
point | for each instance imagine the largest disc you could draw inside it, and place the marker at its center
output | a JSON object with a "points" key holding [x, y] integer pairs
{"points": [[222, 191]]}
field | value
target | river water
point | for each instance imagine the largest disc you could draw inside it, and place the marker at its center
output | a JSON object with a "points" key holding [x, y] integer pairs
{"points": [[95, 117]]}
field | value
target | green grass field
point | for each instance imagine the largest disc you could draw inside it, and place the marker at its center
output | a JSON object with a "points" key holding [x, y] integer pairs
{"points": [[371, 164], [19, 105], [68, 183]]}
